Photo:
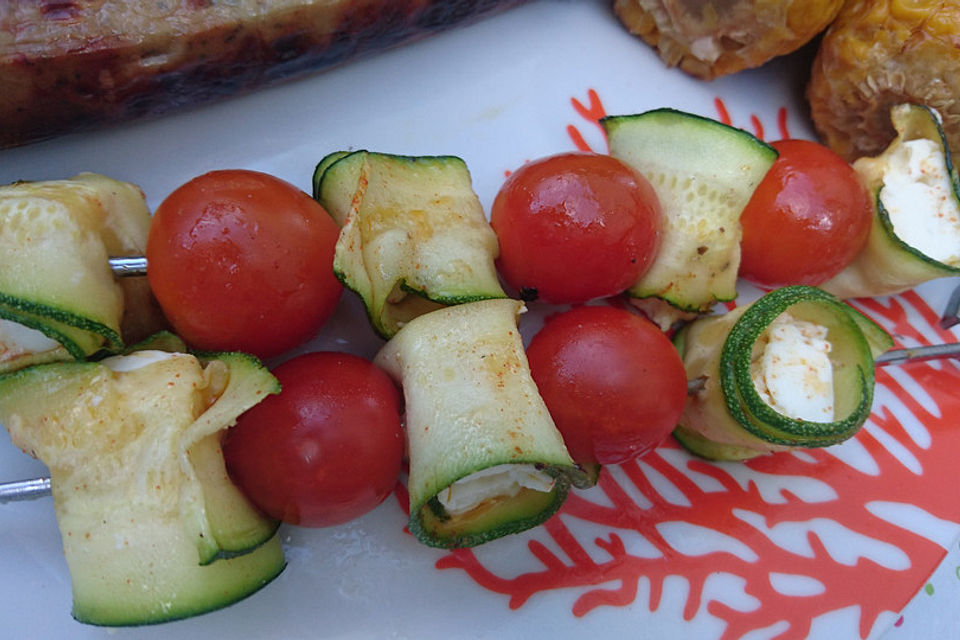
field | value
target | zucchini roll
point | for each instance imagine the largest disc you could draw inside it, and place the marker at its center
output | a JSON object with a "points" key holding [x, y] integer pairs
{"points": [[485, 457], [153, 530], [703, 184], [414, 237], [915, 235], [793, 369], [59, 299]]}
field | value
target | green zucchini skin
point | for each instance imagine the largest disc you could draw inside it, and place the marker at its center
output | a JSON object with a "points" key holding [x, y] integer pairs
{"points": [[704, 173], [414, 237], [471, 404], [160, 341], [55, 237], [887, 264], [321, 169], [728, 420], [232, 526], [435, 528], [152, 528]]}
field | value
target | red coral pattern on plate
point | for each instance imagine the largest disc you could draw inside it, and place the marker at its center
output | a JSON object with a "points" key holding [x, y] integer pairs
{"points": [[795, 535]]}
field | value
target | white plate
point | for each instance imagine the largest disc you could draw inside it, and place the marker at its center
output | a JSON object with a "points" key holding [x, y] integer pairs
{"points": [[832, 544]]}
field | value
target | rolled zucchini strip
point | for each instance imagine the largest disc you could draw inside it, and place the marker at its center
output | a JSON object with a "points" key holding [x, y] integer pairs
{"points": [[915, 235], [793, 369], [486, 459], [703, 183], [414, 237], [59, 299], [152, 528]]}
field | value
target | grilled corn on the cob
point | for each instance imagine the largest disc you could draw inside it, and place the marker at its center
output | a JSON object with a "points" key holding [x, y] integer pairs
{"points": [[715, 38], [880, 53]]}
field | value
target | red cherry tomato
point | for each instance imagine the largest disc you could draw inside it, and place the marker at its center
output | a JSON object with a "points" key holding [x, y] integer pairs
{"points": [[807, 220], [327, 448], [574, 227], [240, 260], [614, 383]]}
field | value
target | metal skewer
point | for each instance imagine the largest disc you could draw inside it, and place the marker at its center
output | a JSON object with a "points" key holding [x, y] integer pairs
{"points": [[40, 487], [894, 356], [124, 267], [918, 354], [128, 266], [951, 315], [137, 266], [24, 490]]}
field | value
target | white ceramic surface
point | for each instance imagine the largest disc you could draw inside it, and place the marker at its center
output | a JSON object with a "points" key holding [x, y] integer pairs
{"points": [[496, 93]]}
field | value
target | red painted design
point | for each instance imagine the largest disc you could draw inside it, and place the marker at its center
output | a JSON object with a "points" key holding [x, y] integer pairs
{"points": [[592, 113], [722, 114], [872, 587], [782, 123], [601, 571], [757, 126], [577, 138]]}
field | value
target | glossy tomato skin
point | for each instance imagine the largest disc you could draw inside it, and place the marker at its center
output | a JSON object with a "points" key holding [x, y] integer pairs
{"points": [[613, 382], [807, 220], [241, 260], [325, 450], [574, 227]]}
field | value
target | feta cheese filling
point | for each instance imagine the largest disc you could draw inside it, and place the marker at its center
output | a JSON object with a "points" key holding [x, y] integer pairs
{"points": [[919, 198], [17, 340], [500, 481], [793, 373]]}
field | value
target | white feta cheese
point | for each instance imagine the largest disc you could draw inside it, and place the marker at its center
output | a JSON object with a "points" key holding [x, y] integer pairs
{"points": [[919, 198], [504, 480], [136, 360], [17, 340], [793, 373]]}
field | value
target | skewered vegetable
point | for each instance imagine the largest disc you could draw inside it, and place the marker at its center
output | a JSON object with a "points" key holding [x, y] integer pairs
{"points": [[808, 219], [793, 369], [915, 233], [155, 530], [327, 449], [485, 458], [703, 184], [414, 237], [58, 298], [575, 226], [612, 381], [240, 260]]}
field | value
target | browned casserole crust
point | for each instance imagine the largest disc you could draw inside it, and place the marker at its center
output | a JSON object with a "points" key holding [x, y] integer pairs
{"points": [[75, 64], [712, 38]]}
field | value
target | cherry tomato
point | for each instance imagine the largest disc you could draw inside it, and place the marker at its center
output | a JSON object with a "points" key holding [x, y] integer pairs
{"points": [[240, 260], [614, 383], [327, 448], [807, 220], [575, 226]]}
